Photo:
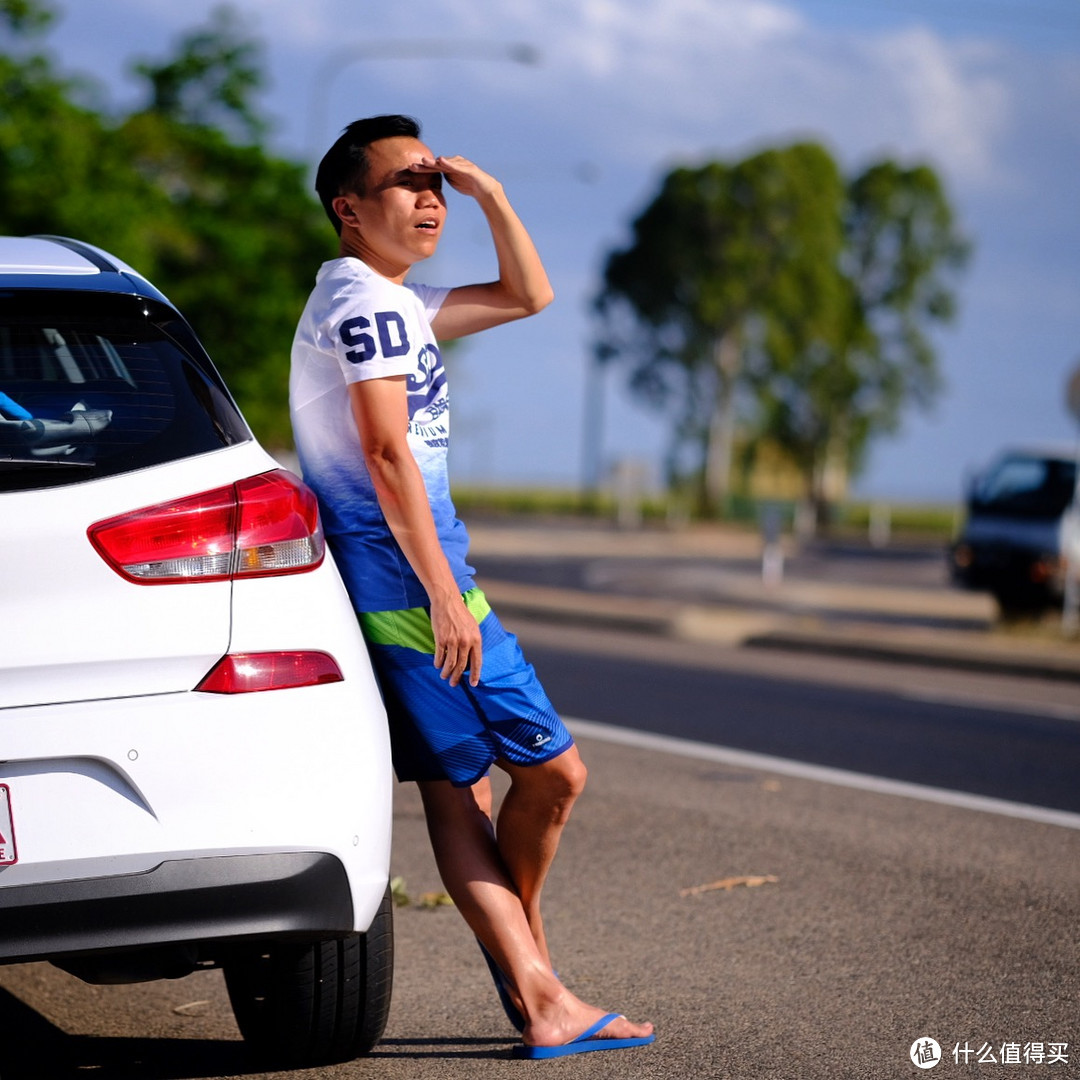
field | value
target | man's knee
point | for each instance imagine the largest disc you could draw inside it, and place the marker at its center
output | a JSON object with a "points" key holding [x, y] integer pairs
{"points": [[574, 773], [564, 778], [555, 783]]}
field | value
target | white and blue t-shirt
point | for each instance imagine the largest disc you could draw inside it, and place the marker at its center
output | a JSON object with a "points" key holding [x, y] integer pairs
{"points": [[358, 325]]}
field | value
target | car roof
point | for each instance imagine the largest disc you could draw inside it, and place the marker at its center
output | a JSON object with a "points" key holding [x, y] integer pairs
{"points": [[1049, 451], [59, 262]]}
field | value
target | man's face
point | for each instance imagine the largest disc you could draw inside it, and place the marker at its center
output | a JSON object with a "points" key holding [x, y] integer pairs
{"points": [[399, 218]]}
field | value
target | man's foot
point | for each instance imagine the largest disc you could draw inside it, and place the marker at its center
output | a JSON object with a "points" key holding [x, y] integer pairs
{"points": [[611, 1031], [570, 1022]]}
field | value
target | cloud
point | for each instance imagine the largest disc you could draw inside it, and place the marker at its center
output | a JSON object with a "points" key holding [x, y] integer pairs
{"points": [[698, 76], [649, 79], [637, 82], [646, 41], [308, 23], [951, 99]]}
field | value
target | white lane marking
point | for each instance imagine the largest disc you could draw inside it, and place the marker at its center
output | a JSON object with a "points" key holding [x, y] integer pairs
{"points": [[746, 759]]}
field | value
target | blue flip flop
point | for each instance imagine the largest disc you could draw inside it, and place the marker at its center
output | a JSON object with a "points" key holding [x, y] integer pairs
{"points": [[585, 1042], [502, 987]]}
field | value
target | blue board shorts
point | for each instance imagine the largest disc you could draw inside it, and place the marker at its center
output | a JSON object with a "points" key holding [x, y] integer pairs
{"points": [[456, 733]]}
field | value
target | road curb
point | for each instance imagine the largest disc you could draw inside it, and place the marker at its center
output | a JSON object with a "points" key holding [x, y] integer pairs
{"points": [[1058, 668], [770, 629]]}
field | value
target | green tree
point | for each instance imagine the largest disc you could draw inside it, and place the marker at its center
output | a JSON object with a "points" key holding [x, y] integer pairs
{"points": [[61, 169], [823, 392], [183, 189], [210, 81], [25, 16], [771, 293], [721, 260]]}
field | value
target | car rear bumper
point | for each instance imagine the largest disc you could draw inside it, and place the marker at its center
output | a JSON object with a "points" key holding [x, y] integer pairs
{"points": [[122, 788], [1007, 570], [197, 901]]}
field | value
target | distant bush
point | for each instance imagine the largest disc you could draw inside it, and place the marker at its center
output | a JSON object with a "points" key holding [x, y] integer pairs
{"points": [[911, 521]]}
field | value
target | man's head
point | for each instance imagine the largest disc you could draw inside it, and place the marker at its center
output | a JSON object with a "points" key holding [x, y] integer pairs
{"points": [[344, 167]]}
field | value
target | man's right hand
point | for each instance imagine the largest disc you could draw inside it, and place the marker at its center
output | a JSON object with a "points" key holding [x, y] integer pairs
{"points": [[458, 646]]}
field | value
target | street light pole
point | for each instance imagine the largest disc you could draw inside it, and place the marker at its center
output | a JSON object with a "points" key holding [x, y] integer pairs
{"points": [[433, 49], [592, 435]]}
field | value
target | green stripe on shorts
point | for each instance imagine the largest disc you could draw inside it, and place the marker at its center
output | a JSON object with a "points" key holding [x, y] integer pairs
{"points": [[410, 628]]}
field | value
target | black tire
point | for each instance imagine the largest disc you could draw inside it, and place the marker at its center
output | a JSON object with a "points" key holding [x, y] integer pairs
{"points": [[1022, 607], [319, 1003]]}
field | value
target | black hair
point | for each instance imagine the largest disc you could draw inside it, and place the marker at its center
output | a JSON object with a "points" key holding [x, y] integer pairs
{"points": [[345, 165]]}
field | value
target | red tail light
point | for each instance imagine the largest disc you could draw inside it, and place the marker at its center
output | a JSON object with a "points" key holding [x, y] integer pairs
{"points": [[263, 525], [1044, 569], [247, 673]]}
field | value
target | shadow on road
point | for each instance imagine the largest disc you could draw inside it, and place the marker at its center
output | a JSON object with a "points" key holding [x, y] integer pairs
{"points": [[35, 1049], [451, 1049]]}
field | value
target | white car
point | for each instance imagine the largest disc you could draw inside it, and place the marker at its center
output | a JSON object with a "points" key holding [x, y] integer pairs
{"points": [[194, 760]]}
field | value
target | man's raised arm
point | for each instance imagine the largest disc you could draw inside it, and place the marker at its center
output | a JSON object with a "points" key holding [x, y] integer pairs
{"points": [[522, 288]]}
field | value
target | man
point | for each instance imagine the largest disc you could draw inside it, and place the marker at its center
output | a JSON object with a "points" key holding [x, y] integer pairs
{"points": [[371, 420]]}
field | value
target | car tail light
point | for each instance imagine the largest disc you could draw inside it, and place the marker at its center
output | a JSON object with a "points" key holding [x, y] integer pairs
{"points": [[267, 524], [1044, 569], [963, 556], [247, 673]]}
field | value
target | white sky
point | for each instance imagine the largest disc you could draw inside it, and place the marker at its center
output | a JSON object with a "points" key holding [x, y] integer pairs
{"points": [[986, 91]]}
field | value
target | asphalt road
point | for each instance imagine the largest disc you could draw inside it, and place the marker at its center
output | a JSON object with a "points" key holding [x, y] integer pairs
{"points": [[1009, 747], [889, 920], [881, 920]]}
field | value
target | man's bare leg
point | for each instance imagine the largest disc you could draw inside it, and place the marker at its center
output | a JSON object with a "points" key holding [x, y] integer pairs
{"points": [[482, 794], [475, 876], [529, 827], [531, 818]]}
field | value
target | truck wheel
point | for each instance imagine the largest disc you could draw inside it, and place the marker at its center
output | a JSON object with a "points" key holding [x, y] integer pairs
{"points": [[304, 1005]]}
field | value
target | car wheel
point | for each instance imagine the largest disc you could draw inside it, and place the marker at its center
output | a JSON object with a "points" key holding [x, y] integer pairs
{"points": [[315, 1003], [1026, 607]]}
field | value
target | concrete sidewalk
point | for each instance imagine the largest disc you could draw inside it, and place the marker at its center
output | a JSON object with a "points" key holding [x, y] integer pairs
{"points": [[940, 626]]}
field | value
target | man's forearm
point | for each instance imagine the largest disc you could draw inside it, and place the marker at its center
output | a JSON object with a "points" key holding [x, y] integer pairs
{"points": [[404, 503], [381, 414], [403, 500], [521, 271]]}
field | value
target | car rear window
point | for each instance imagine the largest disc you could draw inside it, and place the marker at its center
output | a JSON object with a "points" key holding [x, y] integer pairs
{"points": [[95, 384], [1026, 487]]}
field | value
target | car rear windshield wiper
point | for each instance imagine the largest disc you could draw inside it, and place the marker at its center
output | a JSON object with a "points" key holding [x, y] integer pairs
{"points": [[20, 464]]}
